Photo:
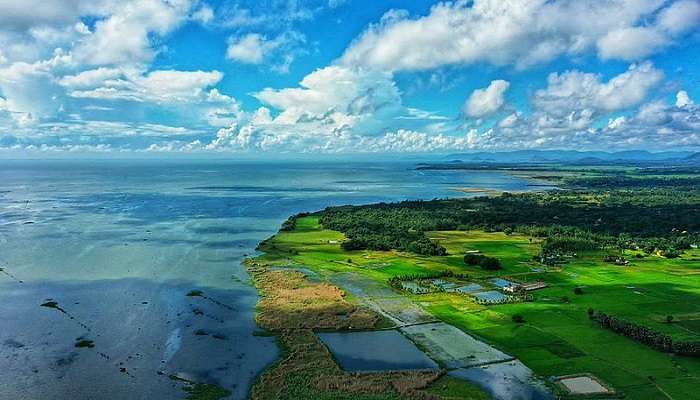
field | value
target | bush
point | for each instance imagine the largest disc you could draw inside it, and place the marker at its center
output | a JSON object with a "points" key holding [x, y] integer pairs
{"points": [[669, 319], [578, 290], [518, 319], [488, 263], [473, 259]]}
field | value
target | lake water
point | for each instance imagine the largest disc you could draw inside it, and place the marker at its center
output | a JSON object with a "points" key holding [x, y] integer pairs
{"points": [[118, 245], [375, 351]]}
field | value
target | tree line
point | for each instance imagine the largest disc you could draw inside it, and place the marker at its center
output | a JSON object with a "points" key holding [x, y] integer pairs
{"points": [[649, 219]]}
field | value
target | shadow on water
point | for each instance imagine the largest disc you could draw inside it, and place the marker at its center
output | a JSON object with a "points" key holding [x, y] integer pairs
{"points": [[141, 331]]}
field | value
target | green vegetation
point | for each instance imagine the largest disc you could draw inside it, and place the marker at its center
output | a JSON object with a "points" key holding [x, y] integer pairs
{"points": [[200, 391], [556, 336], [651, 220], [292, 307], [488, 263], [449, 388], [203, 391], [647, 336]]}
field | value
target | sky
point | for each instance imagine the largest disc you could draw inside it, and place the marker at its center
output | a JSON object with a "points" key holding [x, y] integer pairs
{"points": [[267, 77]]}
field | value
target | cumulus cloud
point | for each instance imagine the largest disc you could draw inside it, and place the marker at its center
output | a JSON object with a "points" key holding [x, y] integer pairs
{"points": [[575, 91], [486, 101], [631, 43], [124, 37], [255, 48], [681, 17], [683, 99], [164, 86], [334, 109], [78, 75], [570, 112], [657, 124], [248, 49], [520, 32]]}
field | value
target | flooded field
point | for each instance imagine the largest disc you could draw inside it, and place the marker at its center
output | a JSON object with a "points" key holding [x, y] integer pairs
{"points": [[375, 351], [452, 347], [510, 380]]}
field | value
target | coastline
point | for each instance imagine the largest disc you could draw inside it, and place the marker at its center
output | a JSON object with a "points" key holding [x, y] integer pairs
{"points": [[275, 268]]}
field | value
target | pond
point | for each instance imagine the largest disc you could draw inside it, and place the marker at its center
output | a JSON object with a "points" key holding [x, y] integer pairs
{"points": [[470, 288], [375, 351], [452, 347], [491, 296], [502, 283]]}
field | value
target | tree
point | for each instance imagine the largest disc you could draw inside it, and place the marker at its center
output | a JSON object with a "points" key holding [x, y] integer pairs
{"points": [[669, 319]]}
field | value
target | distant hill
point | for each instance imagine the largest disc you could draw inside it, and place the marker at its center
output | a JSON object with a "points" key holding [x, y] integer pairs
{"points": [[572, 156], [693, 158]]}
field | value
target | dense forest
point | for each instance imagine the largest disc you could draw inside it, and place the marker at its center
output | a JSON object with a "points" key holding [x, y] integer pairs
{"points": [[650, 219]]}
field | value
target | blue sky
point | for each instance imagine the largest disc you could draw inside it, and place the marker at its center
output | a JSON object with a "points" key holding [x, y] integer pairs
{"points": [[343, 76]]}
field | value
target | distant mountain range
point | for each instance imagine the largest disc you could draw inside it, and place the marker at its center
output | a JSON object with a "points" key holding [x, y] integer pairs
{"points": [[576, 157]]}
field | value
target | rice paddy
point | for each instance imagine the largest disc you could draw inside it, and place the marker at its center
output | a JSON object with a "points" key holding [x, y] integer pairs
{"points": [[555, 336]]}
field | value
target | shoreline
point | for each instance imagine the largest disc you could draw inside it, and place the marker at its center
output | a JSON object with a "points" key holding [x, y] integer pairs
{"points": [[261, 269]]}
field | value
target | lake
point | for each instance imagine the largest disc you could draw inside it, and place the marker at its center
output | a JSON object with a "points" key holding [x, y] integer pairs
{"points": [[113, 248]]}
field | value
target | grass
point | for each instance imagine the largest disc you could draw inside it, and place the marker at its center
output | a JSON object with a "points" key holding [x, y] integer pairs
{"points": [[203, 391], [449, 388], [293, 307], [557, 338]]}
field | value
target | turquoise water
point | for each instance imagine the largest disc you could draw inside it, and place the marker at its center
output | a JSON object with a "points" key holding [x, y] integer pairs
{"points": [[118, 245]]}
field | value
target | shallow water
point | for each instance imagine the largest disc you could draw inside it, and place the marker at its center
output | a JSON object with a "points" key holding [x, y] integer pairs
{"points": [[375, 351], [119, 245], [505, 381]]}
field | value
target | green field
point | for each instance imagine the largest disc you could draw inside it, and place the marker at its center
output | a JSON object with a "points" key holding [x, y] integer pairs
{"points": [[557, 337]]}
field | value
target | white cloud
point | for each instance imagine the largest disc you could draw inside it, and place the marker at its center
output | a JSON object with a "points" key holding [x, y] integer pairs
{"points": [[519, 32], [335, 88], [333, 109], [407, 141], [249, 49], [124, 36], [683, 100], [204, 14], [681, 17], [21, 15], [165, 86], [631, 43], [90, 78], [575, 91], [484, 102], [274, 15], [255, 49]]}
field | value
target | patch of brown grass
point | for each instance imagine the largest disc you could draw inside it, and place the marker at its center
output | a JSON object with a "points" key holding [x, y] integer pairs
{"points": [[290, 301], [293, 307], [307, 370]]}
